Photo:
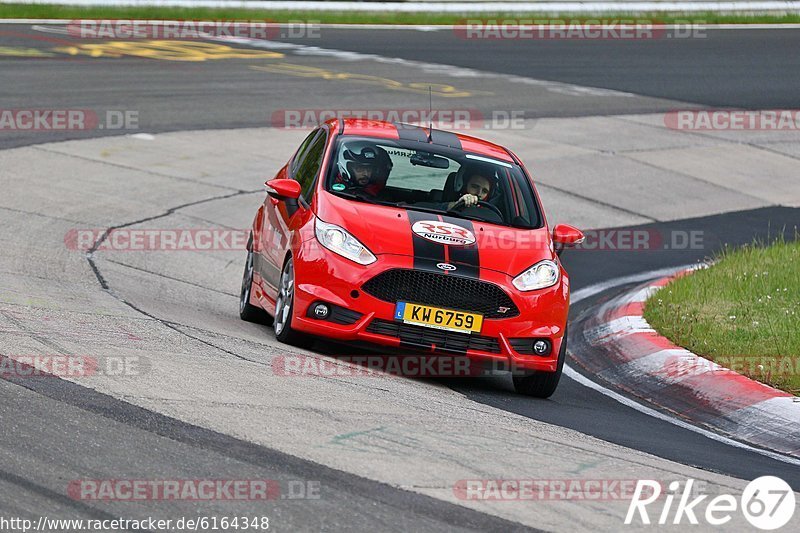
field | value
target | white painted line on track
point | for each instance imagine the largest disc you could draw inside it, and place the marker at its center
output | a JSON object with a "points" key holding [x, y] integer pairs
{"points": [[435, 68], [597, 288], [430, 27], [432, 68], [449, 7], [586, 382], [573, 374]]}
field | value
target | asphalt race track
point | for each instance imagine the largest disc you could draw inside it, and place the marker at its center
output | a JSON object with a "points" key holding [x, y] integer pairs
{"points": [[748, 69], [382, 454]]}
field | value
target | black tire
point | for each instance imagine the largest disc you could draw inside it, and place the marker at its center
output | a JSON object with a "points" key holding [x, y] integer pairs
{"points": [[284, 310], [247, 311], [542, 384]]}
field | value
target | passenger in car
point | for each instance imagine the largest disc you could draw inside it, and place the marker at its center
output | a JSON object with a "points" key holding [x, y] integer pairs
{"points": [[477, 188]]}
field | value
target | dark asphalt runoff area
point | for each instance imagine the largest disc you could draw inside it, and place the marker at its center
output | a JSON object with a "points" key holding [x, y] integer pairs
{"points": [[55, 426], [740, 68]]}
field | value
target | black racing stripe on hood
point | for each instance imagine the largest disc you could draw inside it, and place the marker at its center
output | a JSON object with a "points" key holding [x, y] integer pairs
{"points": [[407, 132], [465, 258], [426, 253], [445, 138]]}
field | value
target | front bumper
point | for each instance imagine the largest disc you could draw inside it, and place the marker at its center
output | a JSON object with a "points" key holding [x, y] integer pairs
{"points": [[323, 276]]}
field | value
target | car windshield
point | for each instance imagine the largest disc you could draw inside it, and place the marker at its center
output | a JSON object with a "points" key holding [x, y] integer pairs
{"points": [[432, 178]]}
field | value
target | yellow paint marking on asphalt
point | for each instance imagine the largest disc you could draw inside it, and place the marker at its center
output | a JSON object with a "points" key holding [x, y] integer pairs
{"points": [[304, 71], [167, 50], [12, 51]]}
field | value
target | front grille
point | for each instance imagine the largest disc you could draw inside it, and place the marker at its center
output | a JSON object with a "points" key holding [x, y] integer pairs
{"points": [[447, 341], [440, 290]]}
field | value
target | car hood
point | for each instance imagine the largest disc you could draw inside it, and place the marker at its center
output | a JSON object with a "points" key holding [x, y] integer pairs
{"points": [[432, 239]]}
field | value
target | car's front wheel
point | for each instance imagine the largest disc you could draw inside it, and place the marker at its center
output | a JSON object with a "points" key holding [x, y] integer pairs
{"points": [[542, 384], [284, 309]]}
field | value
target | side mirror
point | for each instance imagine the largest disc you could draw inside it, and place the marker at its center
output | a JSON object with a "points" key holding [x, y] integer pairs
{"points": [[283, 189], [565, 236]]}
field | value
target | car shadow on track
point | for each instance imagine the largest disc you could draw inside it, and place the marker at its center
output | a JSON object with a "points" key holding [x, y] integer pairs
{"points": [[452, 371]]}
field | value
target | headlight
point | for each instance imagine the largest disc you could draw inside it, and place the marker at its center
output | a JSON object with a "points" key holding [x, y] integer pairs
{"points": [[541, 275], [337, 240]]}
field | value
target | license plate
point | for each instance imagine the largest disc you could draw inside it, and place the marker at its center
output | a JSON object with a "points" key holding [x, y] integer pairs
{"points": [[438, 318]]}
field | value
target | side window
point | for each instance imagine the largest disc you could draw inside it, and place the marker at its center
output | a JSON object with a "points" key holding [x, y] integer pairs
{"points": [[301, 152], [309, 166]]}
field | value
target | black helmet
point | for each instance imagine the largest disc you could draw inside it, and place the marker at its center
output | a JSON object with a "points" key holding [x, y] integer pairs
{"points": [[373, 156]]}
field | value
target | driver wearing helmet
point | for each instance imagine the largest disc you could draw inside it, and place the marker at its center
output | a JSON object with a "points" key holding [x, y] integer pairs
{"points": [[476, 189], [367, 170]]}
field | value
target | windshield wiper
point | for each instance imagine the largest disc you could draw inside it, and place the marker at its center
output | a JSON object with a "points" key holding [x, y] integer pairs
{"points": [[456, 214], [362, 198], [424, 209]]}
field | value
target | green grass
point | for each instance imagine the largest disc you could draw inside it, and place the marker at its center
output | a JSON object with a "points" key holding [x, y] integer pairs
{"points": [[341, 17], [743, 312]]}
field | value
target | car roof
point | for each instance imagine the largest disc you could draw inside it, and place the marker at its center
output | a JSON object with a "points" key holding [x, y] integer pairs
{"points": [[394, 130]]}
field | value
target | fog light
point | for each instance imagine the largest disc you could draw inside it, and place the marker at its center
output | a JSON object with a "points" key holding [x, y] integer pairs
{"points": [[321, 311], [541, 347]]}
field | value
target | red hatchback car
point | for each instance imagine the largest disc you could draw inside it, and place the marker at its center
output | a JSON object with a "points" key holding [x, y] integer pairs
{"points": [[415, 238]]}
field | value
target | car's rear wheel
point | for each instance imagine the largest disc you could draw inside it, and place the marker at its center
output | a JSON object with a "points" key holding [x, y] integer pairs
{"points": [[542, 384], [284, 310], [247, 311]]}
